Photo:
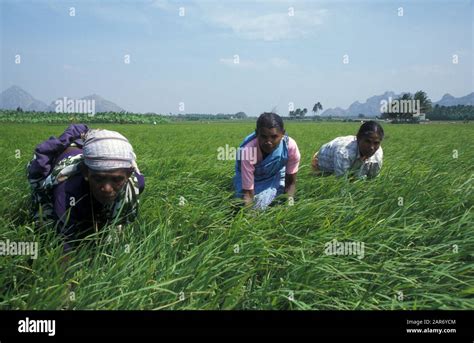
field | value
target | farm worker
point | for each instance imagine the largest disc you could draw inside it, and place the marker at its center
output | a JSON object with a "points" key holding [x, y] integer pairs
{"points": [[84, 180], [360, 155], [267, 163]]}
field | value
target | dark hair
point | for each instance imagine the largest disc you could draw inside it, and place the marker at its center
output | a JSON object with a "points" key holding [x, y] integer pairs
{"points": [[269, 120], [369, 127]]}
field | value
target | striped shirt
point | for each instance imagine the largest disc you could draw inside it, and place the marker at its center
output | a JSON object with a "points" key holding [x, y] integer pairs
{"points": [[341, 155]]}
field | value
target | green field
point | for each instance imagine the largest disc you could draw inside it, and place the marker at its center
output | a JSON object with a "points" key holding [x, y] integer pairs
{"points": [[415, 221]]}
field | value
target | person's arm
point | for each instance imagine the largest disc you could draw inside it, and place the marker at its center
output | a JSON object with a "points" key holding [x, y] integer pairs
{"points": [[290, 185], [376, 167], [247, 174], [314, 162], [248, 196], [292, 167], [342, 162]]}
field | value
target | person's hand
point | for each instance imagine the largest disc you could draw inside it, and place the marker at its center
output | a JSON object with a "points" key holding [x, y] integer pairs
{"points": [[314, 162]]}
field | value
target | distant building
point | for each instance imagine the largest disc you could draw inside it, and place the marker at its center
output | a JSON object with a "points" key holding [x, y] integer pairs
{"points": [[420, 117]]}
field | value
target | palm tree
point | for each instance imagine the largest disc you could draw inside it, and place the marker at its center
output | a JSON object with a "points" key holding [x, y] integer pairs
{"points": [[425, 102], [317, 106]]}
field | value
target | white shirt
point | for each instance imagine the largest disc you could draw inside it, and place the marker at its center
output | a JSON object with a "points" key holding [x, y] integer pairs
{"points": [[342, 155]]}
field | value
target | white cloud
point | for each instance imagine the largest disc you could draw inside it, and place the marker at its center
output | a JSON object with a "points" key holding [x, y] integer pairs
{"points": [[269, 27]]}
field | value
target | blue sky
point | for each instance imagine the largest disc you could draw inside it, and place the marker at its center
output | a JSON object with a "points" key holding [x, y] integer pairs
{"points": [[190, 59]]}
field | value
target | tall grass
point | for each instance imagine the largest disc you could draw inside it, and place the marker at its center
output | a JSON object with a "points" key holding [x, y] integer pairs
{"points": [[209, 254]]}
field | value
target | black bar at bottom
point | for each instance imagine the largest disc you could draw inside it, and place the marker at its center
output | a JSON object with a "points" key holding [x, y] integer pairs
{"points": [[238, 323]]}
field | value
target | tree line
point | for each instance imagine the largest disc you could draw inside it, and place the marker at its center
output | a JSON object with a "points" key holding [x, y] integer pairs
{"points": [[300, 113], [423, 104]]}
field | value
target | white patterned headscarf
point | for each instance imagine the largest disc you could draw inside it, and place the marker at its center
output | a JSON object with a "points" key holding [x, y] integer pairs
{"points": [[104, 150]]}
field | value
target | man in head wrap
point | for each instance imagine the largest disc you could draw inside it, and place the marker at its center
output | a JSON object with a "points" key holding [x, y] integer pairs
{"points": [[83, 180]]}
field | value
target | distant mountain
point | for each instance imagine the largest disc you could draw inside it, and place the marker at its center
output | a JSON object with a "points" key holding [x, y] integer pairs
{"points": [[101, 104], [371, 107], [449, 100], [337, 112], [14, 97]]}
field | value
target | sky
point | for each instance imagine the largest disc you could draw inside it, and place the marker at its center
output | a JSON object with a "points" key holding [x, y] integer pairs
{"points": [[231, 56]]}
